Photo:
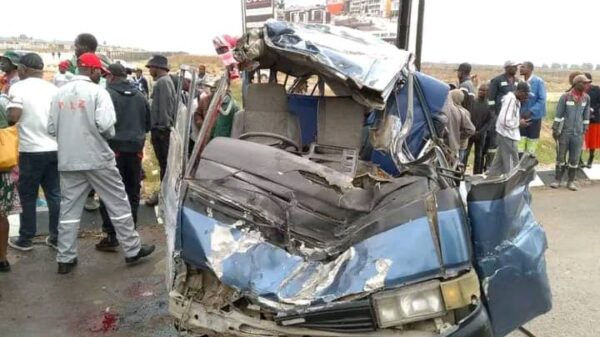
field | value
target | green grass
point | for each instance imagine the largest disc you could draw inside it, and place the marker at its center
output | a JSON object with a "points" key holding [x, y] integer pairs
{"points": [[236, 91]]}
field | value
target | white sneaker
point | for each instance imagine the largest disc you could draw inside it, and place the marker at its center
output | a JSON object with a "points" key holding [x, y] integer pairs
{"points": [[18, 244], [52, 244]]}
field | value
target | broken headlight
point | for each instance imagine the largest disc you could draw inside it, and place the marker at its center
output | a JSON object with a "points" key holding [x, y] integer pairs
{"points": [[426, 300], [410, 304]]}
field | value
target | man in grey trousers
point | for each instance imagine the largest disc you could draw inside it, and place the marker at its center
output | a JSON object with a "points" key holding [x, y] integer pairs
{"points": [[82, 117], [507, 128]]}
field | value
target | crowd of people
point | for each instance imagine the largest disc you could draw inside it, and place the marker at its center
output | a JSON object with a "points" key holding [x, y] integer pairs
{"points": [[80, 135], [502, 120], [83, 134]]}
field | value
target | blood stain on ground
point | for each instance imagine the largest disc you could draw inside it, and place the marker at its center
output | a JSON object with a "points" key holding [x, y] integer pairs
{"points": [[108, 321]]}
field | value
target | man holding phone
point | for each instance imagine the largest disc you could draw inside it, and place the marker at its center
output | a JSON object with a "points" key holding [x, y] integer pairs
{"points": [[533, 111]]}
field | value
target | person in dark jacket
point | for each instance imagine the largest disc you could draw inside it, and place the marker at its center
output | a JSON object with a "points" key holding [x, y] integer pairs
{"points": [[592, 136], [133, 122], [162, 113], [463, 72], [141, 82], [499, 87], [482, 117]]}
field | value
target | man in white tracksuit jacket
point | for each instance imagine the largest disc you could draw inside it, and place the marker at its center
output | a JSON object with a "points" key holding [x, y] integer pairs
{"points": [[507, 129], [82, 118]]}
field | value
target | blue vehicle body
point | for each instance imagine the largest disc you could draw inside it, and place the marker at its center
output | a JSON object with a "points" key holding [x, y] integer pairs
{"points": [[309, 249]]}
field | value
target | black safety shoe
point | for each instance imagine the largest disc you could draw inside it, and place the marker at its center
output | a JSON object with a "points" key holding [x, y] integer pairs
{"points": [[145, 250], [108, 244], [65, 268], [20, 244], [4, 266]]}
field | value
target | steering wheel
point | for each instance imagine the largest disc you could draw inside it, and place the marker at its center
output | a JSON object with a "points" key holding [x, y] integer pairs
{"points": [[285, 140]]}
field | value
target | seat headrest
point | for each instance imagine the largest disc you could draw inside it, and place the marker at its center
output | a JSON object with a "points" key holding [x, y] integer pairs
{"points": [[266, 97]]}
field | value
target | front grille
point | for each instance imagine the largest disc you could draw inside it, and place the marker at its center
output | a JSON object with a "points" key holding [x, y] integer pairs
{"points": [[348, 317]]}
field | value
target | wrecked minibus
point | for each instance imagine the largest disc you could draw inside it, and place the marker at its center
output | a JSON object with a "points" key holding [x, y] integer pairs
{"points": [[335, 209]]}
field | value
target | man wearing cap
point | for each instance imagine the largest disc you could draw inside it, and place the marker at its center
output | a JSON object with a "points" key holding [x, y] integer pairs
{"points": [[87, 43], [464, 78], [8, 64], [570, 124], [30, 104], [162, 112], [133, 122], [224, 123], [499, 87], [64, 75], [507, 127], [82, 117], [532, 111]]}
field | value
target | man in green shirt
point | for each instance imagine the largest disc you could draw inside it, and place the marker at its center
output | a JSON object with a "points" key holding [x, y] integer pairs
{"points": [[87, 43]]}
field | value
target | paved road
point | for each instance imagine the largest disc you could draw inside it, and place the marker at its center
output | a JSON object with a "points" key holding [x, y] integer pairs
{"points": [[572, 222], [102, 297], [35, 301]]}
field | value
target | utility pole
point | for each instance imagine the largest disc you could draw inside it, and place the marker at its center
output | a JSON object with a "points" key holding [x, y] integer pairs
{"points": [[420, 23], [404, 28], [403, 34]]}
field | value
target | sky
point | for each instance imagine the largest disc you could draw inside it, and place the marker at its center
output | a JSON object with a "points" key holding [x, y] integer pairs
{"points": [[477, 31]]}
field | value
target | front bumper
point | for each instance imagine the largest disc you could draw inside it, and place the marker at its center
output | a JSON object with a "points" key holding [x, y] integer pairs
{"points": [[200, 320], [477, 324]]}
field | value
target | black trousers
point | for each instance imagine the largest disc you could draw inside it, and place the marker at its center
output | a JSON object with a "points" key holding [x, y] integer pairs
{"points": [[479, 143], [160, 143], [129, 165], [38, 169]]}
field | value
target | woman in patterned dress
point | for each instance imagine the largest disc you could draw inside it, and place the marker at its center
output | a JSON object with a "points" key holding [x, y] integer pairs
{"points": [[9, 196]]}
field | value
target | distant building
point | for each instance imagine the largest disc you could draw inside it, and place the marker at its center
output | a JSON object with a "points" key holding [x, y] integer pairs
{"points": [[382, 28], [366, 7], [27, 43], [376, 8], [336, 7], [314, 14]]}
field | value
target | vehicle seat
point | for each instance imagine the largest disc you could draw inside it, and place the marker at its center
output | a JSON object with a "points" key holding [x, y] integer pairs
{"points": [[266, 110], [340, 122]]}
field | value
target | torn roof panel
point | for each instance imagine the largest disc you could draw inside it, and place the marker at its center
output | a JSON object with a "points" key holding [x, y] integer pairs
{"points": [[366, 64]]}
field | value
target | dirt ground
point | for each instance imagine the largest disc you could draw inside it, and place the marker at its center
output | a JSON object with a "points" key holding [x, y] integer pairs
{"points": [[37, 302]]}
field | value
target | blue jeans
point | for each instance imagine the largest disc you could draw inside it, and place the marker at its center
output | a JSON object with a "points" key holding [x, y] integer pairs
{"points": [[38, 169]]}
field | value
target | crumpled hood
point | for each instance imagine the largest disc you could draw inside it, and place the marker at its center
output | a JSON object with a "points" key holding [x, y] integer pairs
{"points": [[276, 258]]}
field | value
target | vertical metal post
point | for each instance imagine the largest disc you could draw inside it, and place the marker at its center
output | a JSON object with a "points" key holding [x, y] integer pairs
{"points": [[403, 34], [243, 2], [420, 23]]}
